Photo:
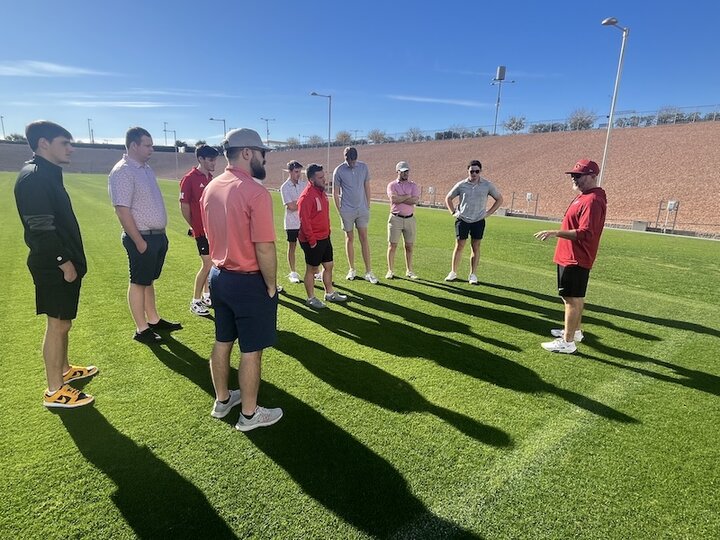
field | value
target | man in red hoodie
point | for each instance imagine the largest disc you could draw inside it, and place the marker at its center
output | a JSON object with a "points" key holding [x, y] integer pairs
{"points": [[314, 236], [577, 246]]}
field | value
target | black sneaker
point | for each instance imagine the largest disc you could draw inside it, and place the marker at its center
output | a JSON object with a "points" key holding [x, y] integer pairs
{"points": [[147, 336], [162, 324]]}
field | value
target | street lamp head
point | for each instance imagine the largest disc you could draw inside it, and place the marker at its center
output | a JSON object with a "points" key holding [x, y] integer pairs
{"points": [[610, 21], [314, 94]]}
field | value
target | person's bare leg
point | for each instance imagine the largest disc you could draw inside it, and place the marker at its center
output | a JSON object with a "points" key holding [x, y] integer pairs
{"points": [[55, 346], [365, 246], [201, 278], [391, 256], [220, 368], [475, 256], [249, 380], [291, 255], [573, 314], [327, 277], [309, 280], [136, 301], [350, 248], [150, 307], [457, 254], [409, 257]]}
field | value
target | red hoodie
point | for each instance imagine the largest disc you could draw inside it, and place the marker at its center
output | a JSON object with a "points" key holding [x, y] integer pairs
{"points": [[314, 210], [586, 215]]}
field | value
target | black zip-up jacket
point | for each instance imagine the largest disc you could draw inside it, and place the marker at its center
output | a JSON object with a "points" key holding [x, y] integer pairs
{"points": [[51, 229]]}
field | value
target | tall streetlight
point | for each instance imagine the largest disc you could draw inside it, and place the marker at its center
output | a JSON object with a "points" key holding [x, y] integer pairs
{"points": [[90, 133], [499, 80], [223, 121], [267, 129], [329, 98], [165, 131], [612, 21], [2, 122], [177, 165]]}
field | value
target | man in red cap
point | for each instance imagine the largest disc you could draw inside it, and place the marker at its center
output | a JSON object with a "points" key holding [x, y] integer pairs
{"points": [[578, 241]]}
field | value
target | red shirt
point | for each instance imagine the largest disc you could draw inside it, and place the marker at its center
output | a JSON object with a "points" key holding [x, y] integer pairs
{"points": [[314, 211], [191, 189], [237, 214], [586, 215]]}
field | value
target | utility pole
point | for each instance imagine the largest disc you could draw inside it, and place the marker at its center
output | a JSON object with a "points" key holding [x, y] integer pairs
{"points": [[90, 131], [2, 122], [165, 130], [267, 129], [499, 80]]}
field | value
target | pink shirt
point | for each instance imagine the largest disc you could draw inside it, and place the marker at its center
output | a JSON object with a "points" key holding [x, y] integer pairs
{"points": [[133, 184], [406, 187], [237, 213]]}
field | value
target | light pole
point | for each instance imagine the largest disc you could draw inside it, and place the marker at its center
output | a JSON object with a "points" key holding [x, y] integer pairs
{"points": [[90, 133], [612, 21], [267, 129], [2, 122], [223, 121], [499, 80], [329, 98], [177, 165], [165, 131]]}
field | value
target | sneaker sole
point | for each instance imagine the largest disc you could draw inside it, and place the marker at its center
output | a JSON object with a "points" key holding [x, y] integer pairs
{"points": [[253, 426], [68, 406], [560, 351]]}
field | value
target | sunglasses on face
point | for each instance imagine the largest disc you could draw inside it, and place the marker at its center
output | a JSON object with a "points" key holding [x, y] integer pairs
{"points": [[575, 176], [474, 171]]}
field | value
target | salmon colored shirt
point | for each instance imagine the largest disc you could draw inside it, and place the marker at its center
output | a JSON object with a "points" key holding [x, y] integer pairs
{"points": [[237, 213]]}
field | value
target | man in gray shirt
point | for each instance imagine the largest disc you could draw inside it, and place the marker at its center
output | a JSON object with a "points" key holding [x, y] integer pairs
{"points": [[351, 191], [470, 213]]}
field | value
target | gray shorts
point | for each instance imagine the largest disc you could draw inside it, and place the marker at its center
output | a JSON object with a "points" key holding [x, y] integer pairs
{"points": [[355, 217]]}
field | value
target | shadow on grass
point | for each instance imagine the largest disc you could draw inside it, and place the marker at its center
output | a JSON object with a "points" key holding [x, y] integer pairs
{"points": [[513, 319], [345, 476], [154, 499], [406, 341], [365, 381]]}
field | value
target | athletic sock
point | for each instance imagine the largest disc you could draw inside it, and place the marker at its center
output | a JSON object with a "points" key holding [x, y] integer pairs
{"points": [[248, 417], [224, 401]]}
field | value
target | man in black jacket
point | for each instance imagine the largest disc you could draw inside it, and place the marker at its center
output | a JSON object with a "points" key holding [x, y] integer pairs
{"points": [[57, 260]]}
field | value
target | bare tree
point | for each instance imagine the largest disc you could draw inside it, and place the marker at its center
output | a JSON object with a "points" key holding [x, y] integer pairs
{"points": [[292, 142], [514, 124], [343, 138], [414, 134], [461, 131], [581, 119], [377, 136], [315, 140]]}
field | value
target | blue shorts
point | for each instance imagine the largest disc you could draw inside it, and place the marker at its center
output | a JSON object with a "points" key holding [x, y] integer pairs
{"points": [[475, 229], [146, 267], [243, 310]]}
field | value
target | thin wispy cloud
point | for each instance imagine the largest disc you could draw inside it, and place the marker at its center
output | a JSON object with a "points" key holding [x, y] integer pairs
{"points": [[442, 101], [125, 104], [33, 68]]}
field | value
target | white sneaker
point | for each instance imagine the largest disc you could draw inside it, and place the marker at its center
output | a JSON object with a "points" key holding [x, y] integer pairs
{"points": [[315, 303], [560, 346], [221, 410], [452, 276], [279, 287], [472, 280], [198, 307], [206, 300], [318, 276], [351, 274], [389, 275], [335, 297], [560, 332], [294, 277], [411, 275], [262, 417], [371, 278]]}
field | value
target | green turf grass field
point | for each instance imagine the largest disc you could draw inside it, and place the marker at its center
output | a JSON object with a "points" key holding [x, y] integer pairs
{"points": [[418, 410]]}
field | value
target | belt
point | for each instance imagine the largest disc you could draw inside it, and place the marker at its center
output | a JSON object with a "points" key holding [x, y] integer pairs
{"points": [[151, 232], [404, 217], [238, 271]]}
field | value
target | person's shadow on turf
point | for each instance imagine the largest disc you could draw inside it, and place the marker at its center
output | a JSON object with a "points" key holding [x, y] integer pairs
{"points": [[154, 499]]}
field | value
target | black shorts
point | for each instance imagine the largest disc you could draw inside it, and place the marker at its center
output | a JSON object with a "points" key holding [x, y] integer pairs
{"points": [[202, 245], [146, 267], [243, 310], [54, 296], [321, 253], [475, 229], [292, 234], [572, 281]]}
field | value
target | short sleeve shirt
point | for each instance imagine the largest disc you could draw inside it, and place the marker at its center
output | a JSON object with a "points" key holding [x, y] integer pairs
{"points": [[237, 213], [191, 188], [290, 193], [135, 186], [351, 181], [473, 198], [406, 187]]}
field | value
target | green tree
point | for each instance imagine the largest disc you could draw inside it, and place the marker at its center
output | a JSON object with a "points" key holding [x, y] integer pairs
{"points": [[581, 119]]}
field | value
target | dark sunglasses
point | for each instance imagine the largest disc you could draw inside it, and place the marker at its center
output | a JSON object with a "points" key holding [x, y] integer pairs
{"points": [[575, 176], [474, 171]]}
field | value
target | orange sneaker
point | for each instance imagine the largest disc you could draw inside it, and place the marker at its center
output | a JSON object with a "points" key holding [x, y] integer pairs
{"points": [[79, 372], [67, 397]]}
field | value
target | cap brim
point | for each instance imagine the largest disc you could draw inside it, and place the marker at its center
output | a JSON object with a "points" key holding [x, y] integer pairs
{"points": [[403, 170]]}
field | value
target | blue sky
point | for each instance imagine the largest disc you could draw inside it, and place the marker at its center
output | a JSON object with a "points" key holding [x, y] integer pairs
{"points": [[390, 65]]}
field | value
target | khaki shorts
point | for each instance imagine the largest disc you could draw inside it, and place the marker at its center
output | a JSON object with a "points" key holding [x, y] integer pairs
{"points": [[399, 226]]}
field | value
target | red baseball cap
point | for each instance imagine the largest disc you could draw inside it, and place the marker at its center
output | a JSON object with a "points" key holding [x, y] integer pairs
{"points": [[585, 166]]}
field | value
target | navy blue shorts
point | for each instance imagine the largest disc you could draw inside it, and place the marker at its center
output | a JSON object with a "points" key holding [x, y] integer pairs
{"points": [[476, 229], [321, 253], [243, 310], [572, 281], [146, 267]]}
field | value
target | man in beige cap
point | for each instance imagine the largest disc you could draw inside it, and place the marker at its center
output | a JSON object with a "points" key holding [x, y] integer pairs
{"points": [[404, 194]]}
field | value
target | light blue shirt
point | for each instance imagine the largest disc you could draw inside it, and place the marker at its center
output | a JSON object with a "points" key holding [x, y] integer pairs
{"points": [[352, 185]]}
